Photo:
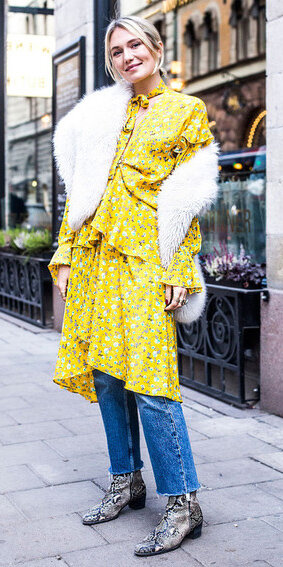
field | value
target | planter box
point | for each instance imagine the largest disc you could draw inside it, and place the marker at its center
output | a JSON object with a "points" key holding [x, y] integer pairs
{"points": [[230, 283], [219, 354], [26, 288]]}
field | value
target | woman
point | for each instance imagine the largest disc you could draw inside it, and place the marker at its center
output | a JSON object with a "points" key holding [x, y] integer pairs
{"points": [[139, 164]]}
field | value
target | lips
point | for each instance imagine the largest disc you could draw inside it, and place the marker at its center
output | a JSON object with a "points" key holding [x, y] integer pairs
{"points": [[133, 67]]}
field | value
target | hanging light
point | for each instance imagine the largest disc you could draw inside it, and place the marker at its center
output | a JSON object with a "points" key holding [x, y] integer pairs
{"points": [[45, 119], [176, 67], [176, 84]]}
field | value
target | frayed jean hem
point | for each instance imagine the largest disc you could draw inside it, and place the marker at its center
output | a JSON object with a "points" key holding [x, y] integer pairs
{"points": [[141, 467], [177, 493]]}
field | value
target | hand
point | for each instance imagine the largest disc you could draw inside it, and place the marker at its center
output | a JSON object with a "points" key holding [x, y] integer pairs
{"points": [[174, 297], [63, 280]]}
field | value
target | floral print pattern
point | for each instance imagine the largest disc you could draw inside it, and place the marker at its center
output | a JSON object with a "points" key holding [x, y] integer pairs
{"points": [[114, 318]]}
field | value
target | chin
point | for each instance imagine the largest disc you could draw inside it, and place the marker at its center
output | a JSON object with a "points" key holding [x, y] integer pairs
{"points": [[140, 77]]}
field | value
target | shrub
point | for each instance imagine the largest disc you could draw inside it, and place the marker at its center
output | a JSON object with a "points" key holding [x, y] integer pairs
{"points": [[29, 242]]}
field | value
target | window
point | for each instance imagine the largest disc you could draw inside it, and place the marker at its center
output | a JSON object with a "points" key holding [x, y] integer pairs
{"points": [[160, 26], [192, 41], [258, 13], [240, 22], [211, 36], [29, 115]]}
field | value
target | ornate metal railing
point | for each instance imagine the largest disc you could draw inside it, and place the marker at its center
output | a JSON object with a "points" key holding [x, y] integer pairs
{"points": [[26, 288], [219, 354]]}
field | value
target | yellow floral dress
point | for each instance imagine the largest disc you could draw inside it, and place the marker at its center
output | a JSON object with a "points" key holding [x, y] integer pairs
{"points": [[114, 317]]}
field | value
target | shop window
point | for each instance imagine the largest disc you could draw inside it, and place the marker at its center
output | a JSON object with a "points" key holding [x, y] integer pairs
{"points": [[192, 41], [240, 22], [258, 13], [211, 36], [238, 216], [30, 44]]}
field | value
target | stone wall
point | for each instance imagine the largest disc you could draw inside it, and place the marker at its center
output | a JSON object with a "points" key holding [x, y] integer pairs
{"points": [[272, 320]]}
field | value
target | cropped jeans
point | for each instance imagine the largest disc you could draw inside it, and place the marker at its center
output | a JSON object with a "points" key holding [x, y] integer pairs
{"points": [[164, 429]]}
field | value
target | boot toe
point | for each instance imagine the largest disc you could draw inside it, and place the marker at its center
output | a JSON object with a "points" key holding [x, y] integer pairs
{"points": [[91, 518], [147, 549]]}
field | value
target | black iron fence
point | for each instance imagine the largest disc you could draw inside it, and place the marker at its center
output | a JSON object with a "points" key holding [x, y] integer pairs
{"points": [[26, 288], [219, 354]]}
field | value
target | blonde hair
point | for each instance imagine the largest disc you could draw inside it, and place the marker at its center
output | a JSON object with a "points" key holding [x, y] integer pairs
{"points": [[145, 31]]}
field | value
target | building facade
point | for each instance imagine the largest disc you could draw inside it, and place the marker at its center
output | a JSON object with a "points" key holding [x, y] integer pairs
{"points": [[214, 49]]}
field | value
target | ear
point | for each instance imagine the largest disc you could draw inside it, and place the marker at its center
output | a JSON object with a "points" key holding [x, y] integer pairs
{"points": [[161, 49]]}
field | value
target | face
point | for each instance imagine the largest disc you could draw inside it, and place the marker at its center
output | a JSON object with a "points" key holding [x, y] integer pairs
{"points": [[131, 58]]}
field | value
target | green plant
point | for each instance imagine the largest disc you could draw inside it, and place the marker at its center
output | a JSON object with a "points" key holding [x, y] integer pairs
{"points": [[29, 242]]}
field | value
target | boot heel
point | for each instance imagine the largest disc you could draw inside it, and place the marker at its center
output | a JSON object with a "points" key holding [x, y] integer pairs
{"points": [[196, 532], [138, 503]]}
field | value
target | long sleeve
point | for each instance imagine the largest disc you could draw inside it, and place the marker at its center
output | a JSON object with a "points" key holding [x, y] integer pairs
{"points": [[182, 271], [63, 254], [192, 187]]}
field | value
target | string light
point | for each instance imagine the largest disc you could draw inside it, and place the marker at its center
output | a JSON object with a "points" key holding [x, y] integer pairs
{"points": [[254, 126]]}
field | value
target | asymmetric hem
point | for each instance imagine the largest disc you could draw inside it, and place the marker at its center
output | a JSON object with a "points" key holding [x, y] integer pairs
{"points": [[114, 316]]}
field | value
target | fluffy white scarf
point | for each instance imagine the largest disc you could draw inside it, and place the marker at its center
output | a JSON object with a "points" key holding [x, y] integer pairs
{"points": [[84, 144]]}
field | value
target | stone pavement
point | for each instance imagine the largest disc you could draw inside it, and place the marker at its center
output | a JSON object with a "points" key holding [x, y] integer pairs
{"points": [[53, 465]]}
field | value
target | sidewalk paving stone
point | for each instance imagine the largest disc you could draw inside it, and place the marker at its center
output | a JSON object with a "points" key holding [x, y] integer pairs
{"points": [[274, 487], [273, 420], [237, 503], [18, 477], [122, 555], [8, 512], [55, 412], [83, 425], [229, 426], [6, 420], [55, 501], [22, 390], [27, 432], [235, 472], [48, 562], [49, 537], [231, 545], [271, 435], [228, 448], [273, 460], [86, 467], [80, 444], [13, 403], [24, 453], [276, 521]]}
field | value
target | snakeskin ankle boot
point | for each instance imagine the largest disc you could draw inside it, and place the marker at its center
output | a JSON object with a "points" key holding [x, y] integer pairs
{"points": [[125, 490], [182, 518]]}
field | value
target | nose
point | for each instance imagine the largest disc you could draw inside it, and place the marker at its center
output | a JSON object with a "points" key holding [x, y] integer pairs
{"points": [[128, 56]]}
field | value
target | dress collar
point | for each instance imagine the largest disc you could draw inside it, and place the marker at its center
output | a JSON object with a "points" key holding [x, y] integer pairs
{"points": [[142, 99]]}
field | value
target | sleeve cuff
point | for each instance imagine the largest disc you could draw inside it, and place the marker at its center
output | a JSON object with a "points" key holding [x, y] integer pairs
{"points": [[62, 256], [183, 274]]}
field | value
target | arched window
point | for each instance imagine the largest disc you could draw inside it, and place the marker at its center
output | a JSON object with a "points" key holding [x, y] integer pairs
{"points": [[240, 21], [211, 36], [160, 26], [258, 13], [192, 41]]}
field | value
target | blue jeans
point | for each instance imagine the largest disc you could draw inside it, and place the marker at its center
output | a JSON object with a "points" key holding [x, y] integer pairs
{"points": [[164, 429]]}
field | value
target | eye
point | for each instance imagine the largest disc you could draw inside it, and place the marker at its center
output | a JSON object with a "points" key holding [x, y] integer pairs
{"points": [[115, 53], [136, 44]]}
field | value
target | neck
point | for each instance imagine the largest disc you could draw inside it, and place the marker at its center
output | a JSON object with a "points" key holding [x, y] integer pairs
{"points": [[146, 85]]}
